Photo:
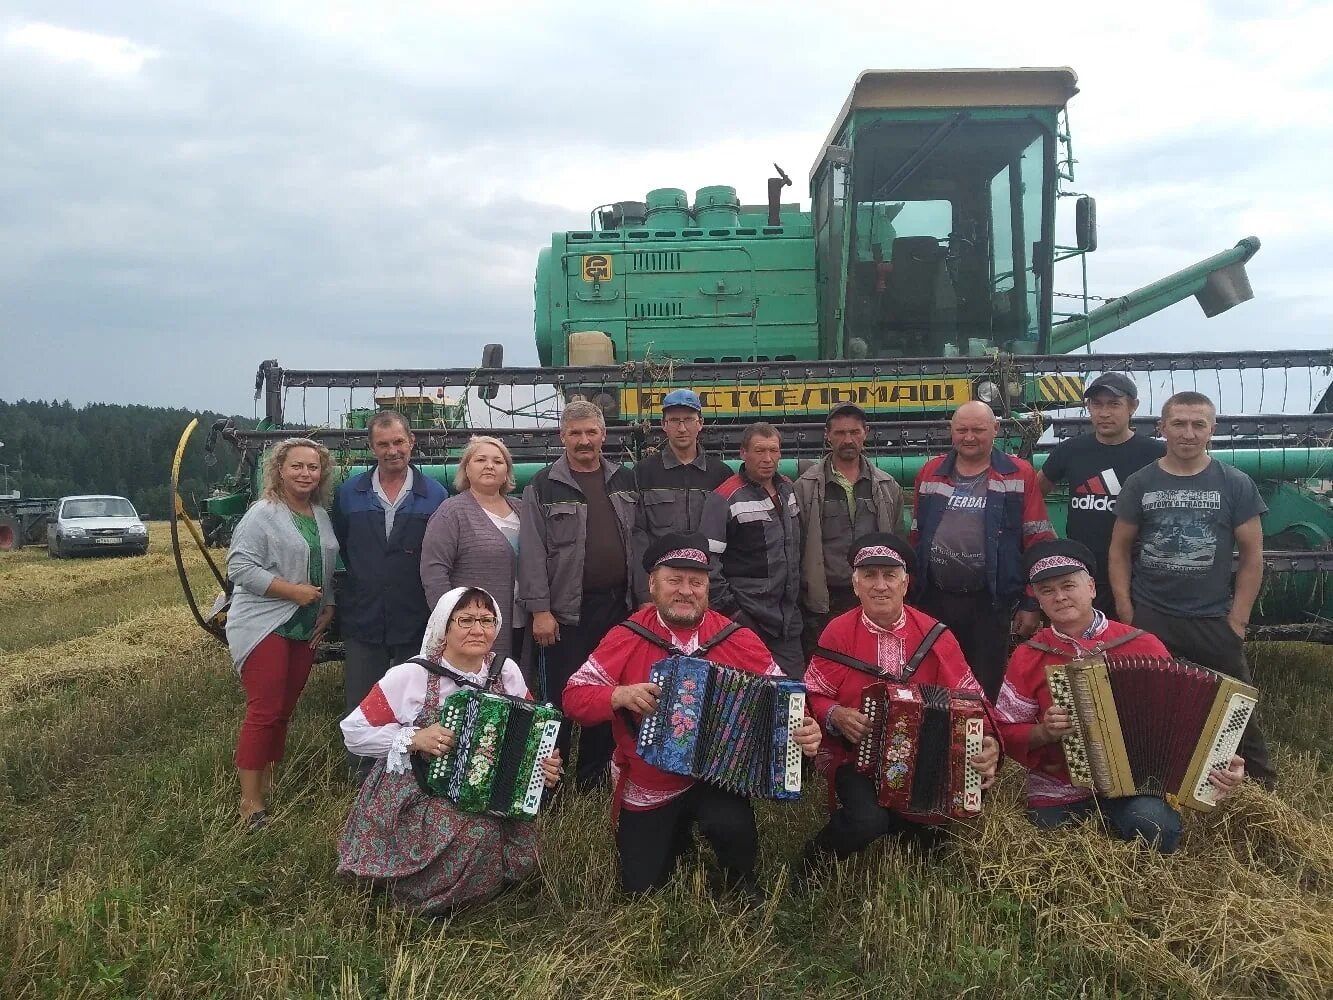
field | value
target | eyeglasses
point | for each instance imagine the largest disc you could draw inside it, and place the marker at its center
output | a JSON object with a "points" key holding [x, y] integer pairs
{"points": [[465, 622], [681, 421]]}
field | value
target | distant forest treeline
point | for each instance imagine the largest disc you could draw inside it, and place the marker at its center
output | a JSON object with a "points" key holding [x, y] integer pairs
{"points": [[55, 449]]}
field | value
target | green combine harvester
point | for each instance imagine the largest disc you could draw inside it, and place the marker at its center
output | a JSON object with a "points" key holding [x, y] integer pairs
{"points": [[922, 277]]}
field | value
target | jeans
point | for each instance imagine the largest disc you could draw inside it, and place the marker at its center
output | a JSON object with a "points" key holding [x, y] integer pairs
{"points": [[1128, 817]]}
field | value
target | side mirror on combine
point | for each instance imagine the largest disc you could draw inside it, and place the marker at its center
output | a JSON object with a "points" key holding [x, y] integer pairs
{"points": [[1085, 223], [492, 356]]}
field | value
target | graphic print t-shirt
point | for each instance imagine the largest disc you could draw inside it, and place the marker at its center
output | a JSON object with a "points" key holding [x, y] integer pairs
{"points": [[958, 549], [1096, 473], [1187, 524]]}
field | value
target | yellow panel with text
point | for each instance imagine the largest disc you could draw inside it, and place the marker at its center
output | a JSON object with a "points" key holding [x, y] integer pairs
{"points": [[772, 399]]}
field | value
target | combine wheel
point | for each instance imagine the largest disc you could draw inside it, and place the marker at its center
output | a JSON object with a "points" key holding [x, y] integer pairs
{"points": [[11, 534]]}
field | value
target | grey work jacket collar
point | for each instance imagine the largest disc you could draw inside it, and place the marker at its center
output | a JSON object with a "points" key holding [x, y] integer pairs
{"points": [[670, 461]]}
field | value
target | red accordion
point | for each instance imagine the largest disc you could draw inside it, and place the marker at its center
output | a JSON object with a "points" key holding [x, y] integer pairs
{"points": [[917, 748]]}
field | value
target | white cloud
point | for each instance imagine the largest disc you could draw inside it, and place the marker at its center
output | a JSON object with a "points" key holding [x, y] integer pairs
{"points": [[110, 55]]}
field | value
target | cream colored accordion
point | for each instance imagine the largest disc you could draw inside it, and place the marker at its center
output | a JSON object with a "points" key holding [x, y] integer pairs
{"points": [[1150, 726]]}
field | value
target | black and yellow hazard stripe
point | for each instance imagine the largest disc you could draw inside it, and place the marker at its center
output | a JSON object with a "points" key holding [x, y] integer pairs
{"points": [[1060, 388]]}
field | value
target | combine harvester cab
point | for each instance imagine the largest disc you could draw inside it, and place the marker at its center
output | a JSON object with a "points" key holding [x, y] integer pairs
{"points": [[920, 278]]}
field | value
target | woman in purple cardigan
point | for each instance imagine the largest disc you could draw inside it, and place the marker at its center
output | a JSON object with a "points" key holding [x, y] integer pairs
{"points": [[472, 538]]}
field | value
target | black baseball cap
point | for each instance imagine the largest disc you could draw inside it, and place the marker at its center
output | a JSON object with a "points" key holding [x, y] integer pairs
{"points": [[1115, 382], [1058, 557], [845, 410], [685, 551]]}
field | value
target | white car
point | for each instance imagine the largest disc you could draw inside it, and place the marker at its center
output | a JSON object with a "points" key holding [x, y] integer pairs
{"points": [[95, 524]]}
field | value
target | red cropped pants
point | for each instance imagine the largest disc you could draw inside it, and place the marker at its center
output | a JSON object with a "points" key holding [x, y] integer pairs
{"points": [[273, 676]]}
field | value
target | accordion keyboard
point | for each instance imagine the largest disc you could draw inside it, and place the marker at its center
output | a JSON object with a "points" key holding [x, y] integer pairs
{"points": [[532, 797], [866, 749], [1238, 711], [795, 719], [1075, 749], [972, 739]]}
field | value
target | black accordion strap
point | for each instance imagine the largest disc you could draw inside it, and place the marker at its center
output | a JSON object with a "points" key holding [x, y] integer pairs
{"points": [[935, 632], [652, 637], [457, 676], [849, 661], [720, 636], [909, 668]]}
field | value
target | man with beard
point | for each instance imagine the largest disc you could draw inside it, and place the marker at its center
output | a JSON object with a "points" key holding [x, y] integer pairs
{"points": [[656, 812], [841, 498], [575, 576]]}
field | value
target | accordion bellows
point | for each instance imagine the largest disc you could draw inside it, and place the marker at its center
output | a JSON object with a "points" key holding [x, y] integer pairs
{"points": [[725, 726], [1150, 726], [495, 764], [917, 748]]}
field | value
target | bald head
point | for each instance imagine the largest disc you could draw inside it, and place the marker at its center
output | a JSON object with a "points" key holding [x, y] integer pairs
{"points": [[975, 410], [973, 427]]}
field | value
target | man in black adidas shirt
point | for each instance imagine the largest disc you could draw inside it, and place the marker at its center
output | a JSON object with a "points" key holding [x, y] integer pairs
{"points": [[1095, 465]]}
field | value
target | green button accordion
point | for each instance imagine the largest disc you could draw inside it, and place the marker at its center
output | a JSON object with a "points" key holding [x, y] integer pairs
{"points": [[499, 745]]}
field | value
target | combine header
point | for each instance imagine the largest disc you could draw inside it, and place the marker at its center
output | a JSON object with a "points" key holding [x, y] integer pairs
{"points": [[922, 277]]}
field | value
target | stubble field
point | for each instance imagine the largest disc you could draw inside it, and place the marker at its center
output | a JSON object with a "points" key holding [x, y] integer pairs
{"points": [[123, 872]]}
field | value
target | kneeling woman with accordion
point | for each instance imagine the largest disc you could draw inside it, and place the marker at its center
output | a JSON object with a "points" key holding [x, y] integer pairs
{"points": [[429, 824]]}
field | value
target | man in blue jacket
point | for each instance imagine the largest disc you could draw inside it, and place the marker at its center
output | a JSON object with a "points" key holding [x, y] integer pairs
{"points": [[380, 517]]}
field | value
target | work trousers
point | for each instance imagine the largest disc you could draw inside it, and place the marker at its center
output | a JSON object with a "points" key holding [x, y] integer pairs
{"points": [[364, 664], [651, 840], [599, 613], [1211, 643], [840, 600], [786, 652], [981, 629], [273, 675], [860, 820], [1144, 817]]}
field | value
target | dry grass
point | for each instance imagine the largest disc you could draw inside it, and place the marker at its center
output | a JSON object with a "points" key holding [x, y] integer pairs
{"points": [[123, 874], [1244, 909]]}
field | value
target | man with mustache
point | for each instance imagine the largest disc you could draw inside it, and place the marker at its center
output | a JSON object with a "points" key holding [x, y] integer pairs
{"points": [[380, 519], [1096, 466], [754, 534], [575, 577], [841, 498], [656, 812]]}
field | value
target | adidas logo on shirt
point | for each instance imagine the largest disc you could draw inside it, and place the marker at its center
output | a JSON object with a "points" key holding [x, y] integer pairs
{"points": [[1098, 493]]}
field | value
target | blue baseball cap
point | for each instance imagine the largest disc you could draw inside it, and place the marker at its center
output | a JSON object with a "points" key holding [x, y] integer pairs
{"points": [[683, 397]]}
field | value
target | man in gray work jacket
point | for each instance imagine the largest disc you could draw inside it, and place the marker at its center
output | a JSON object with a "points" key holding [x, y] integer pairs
{"points": [[674, 483], [754, 535], [575, 573], [842, 497]]}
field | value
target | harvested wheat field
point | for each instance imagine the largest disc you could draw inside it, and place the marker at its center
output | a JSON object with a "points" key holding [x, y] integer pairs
{"points": [[123, 872]]}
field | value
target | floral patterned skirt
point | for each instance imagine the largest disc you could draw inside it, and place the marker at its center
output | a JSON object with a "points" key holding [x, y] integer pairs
{"points": [[425, 852]]}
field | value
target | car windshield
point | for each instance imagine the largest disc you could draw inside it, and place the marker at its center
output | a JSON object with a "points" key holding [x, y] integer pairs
{"points": [[98, 507]]}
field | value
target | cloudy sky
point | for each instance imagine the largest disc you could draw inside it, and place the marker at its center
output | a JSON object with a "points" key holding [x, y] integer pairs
{"points": [[187, 188]]}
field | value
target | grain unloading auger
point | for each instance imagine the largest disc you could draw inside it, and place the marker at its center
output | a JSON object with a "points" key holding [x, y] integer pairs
{"points": [[921, 277]]}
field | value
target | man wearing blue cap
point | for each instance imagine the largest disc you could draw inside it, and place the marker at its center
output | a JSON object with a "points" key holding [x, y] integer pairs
{"points": [[675, 482]]}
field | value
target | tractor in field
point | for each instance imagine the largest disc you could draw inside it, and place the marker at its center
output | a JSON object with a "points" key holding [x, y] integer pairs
{"points": [[923, 276]]}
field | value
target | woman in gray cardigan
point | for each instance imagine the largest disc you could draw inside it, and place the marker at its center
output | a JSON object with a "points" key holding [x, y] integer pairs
{"points": [[281, 567], [472, 538]]}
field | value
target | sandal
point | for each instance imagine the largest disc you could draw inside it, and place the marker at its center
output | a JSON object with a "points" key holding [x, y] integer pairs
{"points": [[256, 821]]}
